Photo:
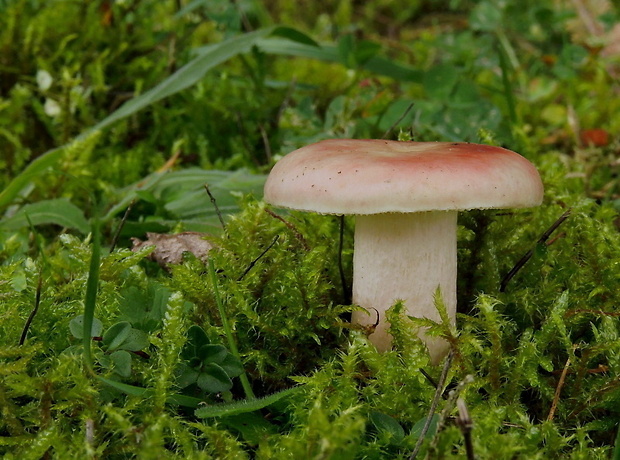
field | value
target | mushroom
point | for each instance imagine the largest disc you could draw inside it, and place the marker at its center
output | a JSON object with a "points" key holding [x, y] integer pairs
{"points": [[405, 196]]}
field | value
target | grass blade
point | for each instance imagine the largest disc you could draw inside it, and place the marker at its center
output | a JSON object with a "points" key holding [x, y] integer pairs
{"points": [[245, 383], [132, 390], [58, 211], [90, 297], [241, 407], [183, 78]]}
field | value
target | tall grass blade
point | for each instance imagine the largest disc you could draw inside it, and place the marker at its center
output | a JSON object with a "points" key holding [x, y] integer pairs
{"points": [[90, 297], [186, 76]]}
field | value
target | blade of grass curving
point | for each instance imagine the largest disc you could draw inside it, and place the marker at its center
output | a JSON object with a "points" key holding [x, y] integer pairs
{"points": [[180, 400], [189, 74], [216, 410], [508, 89], [242, 407], [59, 211], [90, 297], [245, 383], [130, 194], [186, 76], [36, 167], [330, 53]]}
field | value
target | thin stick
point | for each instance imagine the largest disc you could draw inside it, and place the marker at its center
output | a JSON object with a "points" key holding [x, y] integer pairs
{"points": [[245, 382], [37, 302], [523, 260], [407, 110], [117, 233], [434, 403], [465, 423], [258, 258], [217, 209], [291, 227], [343, 279], [558, 390], [432, 381], [453, 397]]}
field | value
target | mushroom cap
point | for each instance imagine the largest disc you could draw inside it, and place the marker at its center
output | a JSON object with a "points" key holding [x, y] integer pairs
{"points": [[348, 176]]}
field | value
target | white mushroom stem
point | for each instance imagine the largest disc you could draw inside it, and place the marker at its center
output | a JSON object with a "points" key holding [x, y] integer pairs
{"points": [[405, 256]]}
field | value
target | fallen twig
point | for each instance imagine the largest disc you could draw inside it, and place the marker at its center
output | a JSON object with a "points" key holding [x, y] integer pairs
{"points": [[434, 403], [407, 110], [37, 302], [117, 233], [523, 260], [217, 209], [465, 423], [558, 390], [453, 397], [291, 227], [258, 258]]}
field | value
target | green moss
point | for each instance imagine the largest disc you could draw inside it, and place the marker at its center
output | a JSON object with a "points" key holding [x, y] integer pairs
{"points": [[536, 356]]}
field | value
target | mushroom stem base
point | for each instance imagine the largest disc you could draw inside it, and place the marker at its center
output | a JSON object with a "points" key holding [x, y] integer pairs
{"points": [[405, 257]]}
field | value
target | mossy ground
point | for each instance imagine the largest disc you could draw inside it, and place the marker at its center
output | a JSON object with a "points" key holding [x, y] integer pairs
{"points": [[535, 357]]}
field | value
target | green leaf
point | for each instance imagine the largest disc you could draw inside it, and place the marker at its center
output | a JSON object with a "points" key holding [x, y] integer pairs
{"points": [[616, 453], [365, 50], [19, 282], [121, 361], [486, 16], [187, 376], [252, 426], [331, 53], [180, 191], [416, 431], [232, 366], [196, 339], [36, 167], [116, 335], [387, 425], [144, 308], [294, 35], [214, 379], [76, 326], [212, 353], [58, 211], [242, 407], [440, 81], [346, 46], [135, 341]]}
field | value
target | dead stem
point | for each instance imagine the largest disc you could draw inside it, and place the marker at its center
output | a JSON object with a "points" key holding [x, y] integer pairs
{"points": [[291, 227], [35, 309], [465, 424], [217, 209], [117, 233], [558, 390], [258, 258], [434, 403], [542, 240], [453, 398]]}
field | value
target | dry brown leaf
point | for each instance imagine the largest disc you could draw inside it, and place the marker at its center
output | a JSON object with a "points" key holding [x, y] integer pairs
{"points": [[169, 248]]}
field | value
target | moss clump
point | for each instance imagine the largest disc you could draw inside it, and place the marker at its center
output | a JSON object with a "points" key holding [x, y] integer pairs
{"points": [[542, 356], [281, 289]]}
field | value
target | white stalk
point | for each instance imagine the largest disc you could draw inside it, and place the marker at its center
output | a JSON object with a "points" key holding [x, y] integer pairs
{"points": [[404, 256]]}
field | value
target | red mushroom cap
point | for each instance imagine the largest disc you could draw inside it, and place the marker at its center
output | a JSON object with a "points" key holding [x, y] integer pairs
{"points": [[347, 176]]}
